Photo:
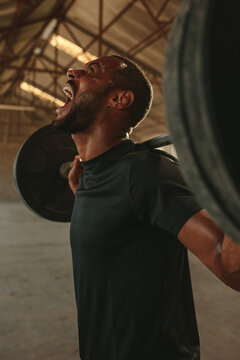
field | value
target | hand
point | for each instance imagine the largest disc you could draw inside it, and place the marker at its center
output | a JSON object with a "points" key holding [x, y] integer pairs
{"points": [[74, 174]]}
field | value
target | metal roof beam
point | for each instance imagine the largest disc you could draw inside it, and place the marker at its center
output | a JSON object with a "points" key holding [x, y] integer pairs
{"points": [[55, 12], [164, 33], [25, 2], [27, 101], [50, 61], [149, 37], [53, 74], [160, 11], [150, 13], [73, 36], [5, 29], [33, 69], [15, 20], [100, 27], [34, 21], [111, 46], [113, 21]]}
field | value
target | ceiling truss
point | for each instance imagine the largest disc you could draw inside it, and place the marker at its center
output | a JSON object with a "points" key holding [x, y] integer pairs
{"points": [[24, 62]]}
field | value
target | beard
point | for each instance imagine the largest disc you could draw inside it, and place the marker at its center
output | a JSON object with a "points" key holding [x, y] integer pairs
{"points": [[84, 111]]}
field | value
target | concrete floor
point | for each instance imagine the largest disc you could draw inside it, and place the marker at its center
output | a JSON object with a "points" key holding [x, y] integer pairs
{"points": [[37, 305]]}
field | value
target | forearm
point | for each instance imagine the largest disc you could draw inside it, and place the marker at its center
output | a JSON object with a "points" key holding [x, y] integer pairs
{"points": [[214, 248], [229, 258]]}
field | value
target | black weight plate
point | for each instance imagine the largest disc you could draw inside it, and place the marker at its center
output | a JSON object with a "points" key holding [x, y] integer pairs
{"points": [[36, 173], [201, 80]]}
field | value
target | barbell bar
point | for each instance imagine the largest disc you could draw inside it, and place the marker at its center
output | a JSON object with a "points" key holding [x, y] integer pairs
{"points": [[41, 168]]}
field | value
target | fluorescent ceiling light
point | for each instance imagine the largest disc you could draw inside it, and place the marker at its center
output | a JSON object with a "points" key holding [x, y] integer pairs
{"points": [[49, 29], [37, 50], [71, 49], [17, 107], [41, 94]]}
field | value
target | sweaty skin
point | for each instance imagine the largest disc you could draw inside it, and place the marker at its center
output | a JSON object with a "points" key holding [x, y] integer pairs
{"points": [[110, 126], [111, 123]]}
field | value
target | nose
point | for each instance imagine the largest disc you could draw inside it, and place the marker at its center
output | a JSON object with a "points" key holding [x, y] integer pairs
{"points": [[74, 74]]}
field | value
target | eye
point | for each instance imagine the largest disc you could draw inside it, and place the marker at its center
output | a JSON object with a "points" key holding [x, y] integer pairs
{"points": [[92, 68]]}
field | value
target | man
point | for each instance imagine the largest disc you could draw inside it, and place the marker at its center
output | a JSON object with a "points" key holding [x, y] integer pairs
{"points": [[133, 219]]}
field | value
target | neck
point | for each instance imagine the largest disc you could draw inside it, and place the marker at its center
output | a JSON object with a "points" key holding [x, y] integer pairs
{"points": [[92, 143], [108, 129]]}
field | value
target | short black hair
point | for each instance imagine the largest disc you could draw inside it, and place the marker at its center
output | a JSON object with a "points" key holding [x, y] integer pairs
{"points": [[133, 78]]}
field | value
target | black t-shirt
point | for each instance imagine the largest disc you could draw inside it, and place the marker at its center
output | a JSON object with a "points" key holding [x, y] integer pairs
{"points": [[131, 273]]}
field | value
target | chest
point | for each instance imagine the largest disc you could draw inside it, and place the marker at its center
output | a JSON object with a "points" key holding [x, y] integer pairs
{"points": [[102, 216]]}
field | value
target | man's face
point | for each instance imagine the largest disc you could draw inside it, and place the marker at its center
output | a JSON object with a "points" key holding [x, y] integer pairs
{"points": [[86, 92]]}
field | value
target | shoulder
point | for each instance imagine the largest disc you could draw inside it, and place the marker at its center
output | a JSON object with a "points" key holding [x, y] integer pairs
{"points": [[150, 164], [158, 191]]}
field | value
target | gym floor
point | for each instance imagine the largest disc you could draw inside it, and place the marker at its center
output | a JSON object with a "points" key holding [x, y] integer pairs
{"points": [[38, 316]]}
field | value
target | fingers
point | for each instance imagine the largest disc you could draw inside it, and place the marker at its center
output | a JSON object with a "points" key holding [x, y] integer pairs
{"points": [[76, 161], [75, 173], [77, 157], [76, 168]]}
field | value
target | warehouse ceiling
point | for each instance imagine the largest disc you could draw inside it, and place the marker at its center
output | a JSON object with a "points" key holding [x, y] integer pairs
{"points": [[137, 29]]}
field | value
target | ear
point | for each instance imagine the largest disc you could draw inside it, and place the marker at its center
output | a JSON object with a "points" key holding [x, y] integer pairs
{"points": [[121, 99]]}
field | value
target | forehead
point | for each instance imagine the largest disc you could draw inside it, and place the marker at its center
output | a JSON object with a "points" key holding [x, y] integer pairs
{"points": [[108, 63]]}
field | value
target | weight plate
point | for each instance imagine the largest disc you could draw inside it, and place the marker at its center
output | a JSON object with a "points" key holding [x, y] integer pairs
{"points": [[201, 78], [37, 173]]}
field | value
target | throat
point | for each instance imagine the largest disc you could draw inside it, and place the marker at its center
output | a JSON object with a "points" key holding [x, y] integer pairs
{"points": [[91, 145]]}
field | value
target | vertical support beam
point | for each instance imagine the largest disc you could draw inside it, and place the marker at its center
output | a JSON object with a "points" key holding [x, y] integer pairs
{"points": [[100, 28], [112, 46], [112, 22]]}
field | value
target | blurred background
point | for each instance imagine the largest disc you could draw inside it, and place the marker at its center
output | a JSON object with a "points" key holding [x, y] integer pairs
{"points": [[39, 41]]}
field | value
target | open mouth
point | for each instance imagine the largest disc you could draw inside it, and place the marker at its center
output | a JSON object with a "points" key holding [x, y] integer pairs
{"points": [[68, 92], [63, 111]]}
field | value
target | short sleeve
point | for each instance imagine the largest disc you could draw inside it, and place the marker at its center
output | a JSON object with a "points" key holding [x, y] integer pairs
{"points": [[159, 193]]}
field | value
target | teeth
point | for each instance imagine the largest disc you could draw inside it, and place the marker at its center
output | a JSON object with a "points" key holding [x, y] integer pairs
{"points": [[68, 91]]}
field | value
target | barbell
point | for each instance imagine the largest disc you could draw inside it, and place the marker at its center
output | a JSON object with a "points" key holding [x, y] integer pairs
{"points": [[201, 87], [41, 167], [201, 91]]}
